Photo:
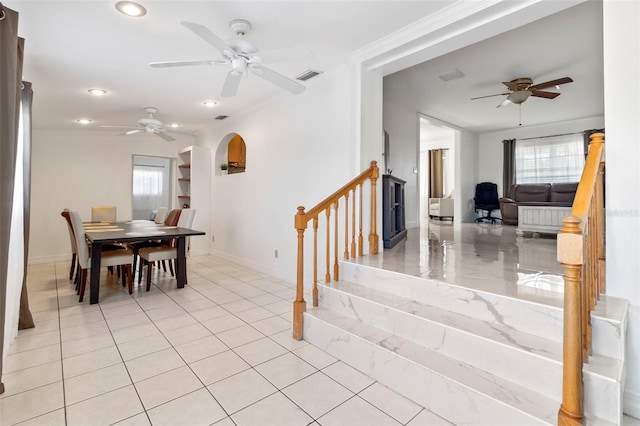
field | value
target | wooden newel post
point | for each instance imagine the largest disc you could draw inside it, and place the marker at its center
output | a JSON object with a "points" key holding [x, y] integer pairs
{"points": [[299, 306], [373, 235], [571, 256]]}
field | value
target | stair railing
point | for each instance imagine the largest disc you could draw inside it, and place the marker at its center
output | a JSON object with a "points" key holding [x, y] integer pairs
{"points": [[581, 253], [351, 247]]}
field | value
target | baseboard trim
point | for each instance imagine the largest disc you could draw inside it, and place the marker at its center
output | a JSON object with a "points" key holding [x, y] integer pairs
{"points": [[631, 404]]}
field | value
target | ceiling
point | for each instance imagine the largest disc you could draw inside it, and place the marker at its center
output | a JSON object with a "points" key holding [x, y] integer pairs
{"points": [[566, 44], [72, 46]]}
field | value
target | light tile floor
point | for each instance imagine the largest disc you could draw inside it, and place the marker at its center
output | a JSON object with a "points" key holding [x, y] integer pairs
{"points": [[219, 352]]}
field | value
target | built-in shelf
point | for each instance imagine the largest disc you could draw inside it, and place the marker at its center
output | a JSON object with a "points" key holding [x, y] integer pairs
{"points": [[193, 190]]}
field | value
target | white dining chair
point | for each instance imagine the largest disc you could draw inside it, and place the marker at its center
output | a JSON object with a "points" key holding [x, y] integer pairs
{"points": [[103, 214], [150, 255], [108, 258], [161, 215]]}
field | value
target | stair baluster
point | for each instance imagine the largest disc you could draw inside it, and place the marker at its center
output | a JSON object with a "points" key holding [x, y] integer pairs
{"points": [[301, 221]]}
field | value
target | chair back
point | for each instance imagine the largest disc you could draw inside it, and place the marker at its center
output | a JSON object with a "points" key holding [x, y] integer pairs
{"points": [[186, 218], [487, 195], [161, 215], [103, 213], [172, 218], [81, 241], [72, 237]]}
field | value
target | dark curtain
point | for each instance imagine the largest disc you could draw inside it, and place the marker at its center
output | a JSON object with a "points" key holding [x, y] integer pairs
{"points": [[25, 319], [435, 173], [587, 139], [508, 166], [10, 92]]}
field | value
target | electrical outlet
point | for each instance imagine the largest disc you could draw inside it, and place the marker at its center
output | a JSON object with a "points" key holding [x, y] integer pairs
{"points": [[212, 238], [275, 253]]}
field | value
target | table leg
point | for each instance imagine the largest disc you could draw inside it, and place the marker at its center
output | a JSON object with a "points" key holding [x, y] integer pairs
{"points": [[94, 283], [181, 269]]}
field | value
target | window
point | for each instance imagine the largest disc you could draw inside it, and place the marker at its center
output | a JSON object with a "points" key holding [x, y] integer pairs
{"points": [[550, 159], [150, 185]]}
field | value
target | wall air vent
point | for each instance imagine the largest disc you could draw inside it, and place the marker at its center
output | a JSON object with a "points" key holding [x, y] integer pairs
{"points": [[307, 75], [221, 117]]}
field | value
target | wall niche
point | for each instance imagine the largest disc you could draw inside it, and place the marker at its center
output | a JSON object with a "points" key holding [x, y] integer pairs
{"points": [[237, 155]]}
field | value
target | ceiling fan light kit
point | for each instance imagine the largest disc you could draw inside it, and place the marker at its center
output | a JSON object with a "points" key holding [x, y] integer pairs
{"points": [[520, 89]]}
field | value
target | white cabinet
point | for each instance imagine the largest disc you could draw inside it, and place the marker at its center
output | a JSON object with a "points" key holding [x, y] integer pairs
{"points": [[194, 190]]}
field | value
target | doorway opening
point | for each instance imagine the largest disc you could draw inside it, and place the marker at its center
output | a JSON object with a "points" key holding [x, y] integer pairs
{"points": [[437, 171], [151, 185]]}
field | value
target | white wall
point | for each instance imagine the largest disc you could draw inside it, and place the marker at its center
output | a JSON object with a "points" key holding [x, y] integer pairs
{"points": [[403, 126], [79, 169], [490, 155], [299, 151], [622, 145]]}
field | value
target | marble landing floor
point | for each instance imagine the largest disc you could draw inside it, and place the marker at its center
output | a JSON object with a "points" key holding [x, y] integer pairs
{"points": [[484, 257]]}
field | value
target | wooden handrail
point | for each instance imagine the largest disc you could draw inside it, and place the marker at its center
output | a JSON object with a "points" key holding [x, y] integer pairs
{"points": [[332, 202], [581, 254]]}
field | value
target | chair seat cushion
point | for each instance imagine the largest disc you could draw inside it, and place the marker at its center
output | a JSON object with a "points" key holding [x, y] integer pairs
{"points": [[153, 254], [116, 257]]}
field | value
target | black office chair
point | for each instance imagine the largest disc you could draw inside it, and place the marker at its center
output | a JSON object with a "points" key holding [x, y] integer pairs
{"points": [[487, 199]]}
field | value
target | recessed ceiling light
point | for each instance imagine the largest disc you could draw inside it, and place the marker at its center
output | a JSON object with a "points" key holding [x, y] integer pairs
{"points": [[210, 104], [174, 125], [83, 121], [130, 8], [97, 92]]}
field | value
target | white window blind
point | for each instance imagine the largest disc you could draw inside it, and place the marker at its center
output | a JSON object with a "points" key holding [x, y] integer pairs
{"points": [[550, 159]]}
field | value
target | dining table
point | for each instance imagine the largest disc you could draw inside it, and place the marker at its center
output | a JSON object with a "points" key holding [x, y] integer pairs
{"points": [[99, 233]]}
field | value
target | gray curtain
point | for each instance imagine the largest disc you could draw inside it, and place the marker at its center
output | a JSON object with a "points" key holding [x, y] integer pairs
{"points": [[25, 319], [508, 166], [10, 93], [435, 173]]}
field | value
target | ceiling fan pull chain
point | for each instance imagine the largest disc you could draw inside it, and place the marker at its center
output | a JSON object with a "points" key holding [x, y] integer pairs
{"points": [[520, 112]]}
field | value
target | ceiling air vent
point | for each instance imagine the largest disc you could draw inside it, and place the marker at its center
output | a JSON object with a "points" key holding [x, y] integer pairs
{"points": [[307, 75], [221, 117], [451, 75]]}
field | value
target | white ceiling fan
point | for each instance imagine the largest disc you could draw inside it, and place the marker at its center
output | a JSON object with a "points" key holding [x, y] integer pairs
{"points": [[240, 54], [149, 125]]}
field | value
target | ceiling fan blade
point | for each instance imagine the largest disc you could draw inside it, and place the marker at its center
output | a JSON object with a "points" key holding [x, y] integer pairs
{"points": [[551, 83], [208, 36], [164, 136], [121, 127], [490, 96], [231, 83], [278, 79], [131, 132], [546, 95], [169, 64]]}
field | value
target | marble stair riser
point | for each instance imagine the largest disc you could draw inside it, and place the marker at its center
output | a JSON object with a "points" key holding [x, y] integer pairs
{"points": [[518, 364], [532, 318], [536, 319], [453, 401]]}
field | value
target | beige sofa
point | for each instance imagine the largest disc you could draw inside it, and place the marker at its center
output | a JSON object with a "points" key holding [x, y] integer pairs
{"points": [[441, 207]]}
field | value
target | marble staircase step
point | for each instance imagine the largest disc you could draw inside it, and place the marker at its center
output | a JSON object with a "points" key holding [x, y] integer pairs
{"points": [[529, 360], [534, 318], [459, 392], [498, 338]]}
